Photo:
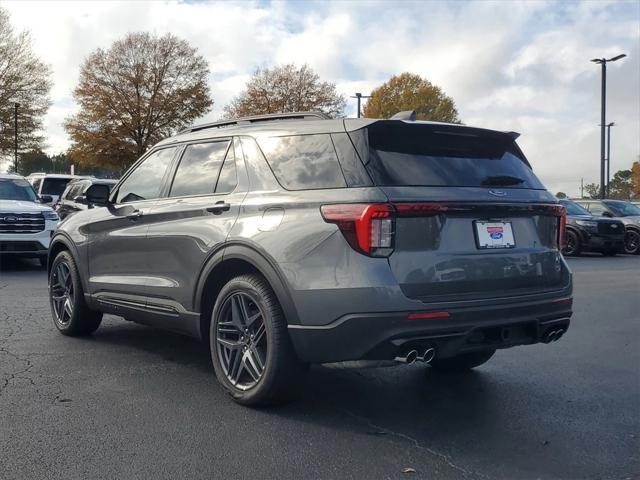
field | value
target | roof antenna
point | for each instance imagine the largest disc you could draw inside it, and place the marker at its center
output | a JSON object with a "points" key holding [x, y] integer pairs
{"points": [[406, 115]]}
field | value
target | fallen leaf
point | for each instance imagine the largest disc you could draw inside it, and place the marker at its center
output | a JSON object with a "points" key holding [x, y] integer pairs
{"points": [[408, 470]]}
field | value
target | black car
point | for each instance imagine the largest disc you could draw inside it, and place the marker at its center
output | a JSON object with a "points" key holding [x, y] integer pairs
{"points": [[588, 233], [626, 212], [73, 198]]}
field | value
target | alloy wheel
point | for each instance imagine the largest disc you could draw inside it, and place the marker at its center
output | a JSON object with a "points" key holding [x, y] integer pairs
{"points": [[62, 293], [241, 341], [570, 246], [632, 242]]}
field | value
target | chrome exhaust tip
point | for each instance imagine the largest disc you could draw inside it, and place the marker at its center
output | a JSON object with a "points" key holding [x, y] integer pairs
{"points": [[428, 355], [410, 357], [549, 337], [558, 334]]}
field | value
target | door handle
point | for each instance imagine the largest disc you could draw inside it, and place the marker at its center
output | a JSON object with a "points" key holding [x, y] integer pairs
{"points": [[219, 207], [136, 214]]}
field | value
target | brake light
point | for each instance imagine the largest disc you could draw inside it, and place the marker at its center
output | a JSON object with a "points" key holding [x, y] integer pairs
{"points": [[561, 212], [368, 228], [427, 315]]}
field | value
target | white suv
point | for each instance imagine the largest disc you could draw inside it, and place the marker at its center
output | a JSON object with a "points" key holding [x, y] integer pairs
{"points": [[26, 224], [50, 184]]}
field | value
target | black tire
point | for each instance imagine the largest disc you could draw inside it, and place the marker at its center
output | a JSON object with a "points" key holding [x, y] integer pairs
{"points": [[239, 348], [573, 245], [632, 242], [79, 319], [462, 362]]}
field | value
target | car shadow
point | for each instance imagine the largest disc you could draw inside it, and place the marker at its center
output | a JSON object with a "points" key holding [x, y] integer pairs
{"points": [[19, 264]]}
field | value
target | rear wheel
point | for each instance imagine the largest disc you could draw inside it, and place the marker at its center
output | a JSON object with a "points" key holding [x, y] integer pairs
{"points": [[250, 347], [462, 362], [71, 315], [572, 247], [632, 242]]}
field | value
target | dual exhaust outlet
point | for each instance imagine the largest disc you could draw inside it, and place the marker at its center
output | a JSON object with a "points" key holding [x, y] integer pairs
{"points": [[412, 356], [554, 335]]}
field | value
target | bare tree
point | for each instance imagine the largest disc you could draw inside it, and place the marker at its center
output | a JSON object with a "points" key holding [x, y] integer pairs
{"points": [[142, 89], [286, 88], [24, 79]]}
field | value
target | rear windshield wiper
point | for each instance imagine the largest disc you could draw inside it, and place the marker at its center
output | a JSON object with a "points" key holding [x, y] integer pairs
{"points": [[501, 180]]}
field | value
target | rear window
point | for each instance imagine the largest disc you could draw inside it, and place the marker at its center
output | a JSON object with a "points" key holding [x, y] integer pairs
{"points": [[303, 162], [54, 186], [401, 154]]}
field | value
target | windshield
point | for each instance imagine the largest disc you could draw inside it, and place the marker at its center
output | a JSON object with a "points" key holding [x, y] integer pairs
{"points": [[623, 209], [401, 154], [54, 186], [16, 189], [574, 208]]}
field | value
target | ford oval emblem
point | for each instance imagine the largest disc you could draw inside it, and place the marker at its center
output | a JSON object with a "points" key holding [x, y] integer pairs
{"points": [[498, 193]]}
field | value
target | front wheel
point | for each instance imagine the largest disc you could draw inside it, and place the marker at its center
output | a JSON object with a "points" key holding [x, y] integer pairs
{"points": [[250, 347], [71, 315], [462, 362], [572, 247], [632, 242]]}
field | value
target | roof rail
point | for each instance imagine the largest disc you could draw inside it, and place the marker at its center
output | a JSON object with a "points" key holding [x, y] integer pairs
{"points": [[258, 118]]}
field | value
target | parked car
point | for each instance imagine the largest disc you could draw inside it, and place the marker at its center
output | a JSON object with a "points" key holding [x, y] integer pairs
{"points": [[50, 184], [588, 233], [26, 224], [73, 198], [294, 239], [626, 212]]}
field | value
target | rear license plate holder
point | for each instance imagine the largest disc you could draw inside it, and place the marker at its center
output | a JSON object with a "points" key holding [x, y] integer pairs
{"points": [[493, 234]]}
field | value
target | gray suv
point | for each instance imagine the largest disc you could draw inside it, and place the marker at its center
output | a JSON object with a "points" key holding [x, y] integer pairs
{"points": [[288, 240]]}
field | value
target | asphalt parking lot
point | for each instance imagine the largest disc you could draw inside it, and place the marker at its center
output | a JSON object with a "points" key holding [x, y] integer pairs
{"points": [[134, 402]]}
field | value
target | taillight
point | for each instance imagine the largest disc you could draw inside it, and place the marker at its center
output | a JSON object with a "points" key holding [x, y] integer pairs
{"points": [[561, 212], [368, 228]]}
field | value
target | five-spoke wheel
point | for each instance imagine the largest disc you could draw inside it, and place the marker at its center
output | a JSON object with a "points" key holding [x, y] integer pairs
{"points": [[62, 294]]}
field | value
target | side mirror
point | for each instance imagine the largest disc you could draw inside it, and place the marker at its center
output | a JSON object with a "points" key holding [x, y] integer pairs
{"points": [[46, 199], [607, 214], [97, 195], [80, 199]]}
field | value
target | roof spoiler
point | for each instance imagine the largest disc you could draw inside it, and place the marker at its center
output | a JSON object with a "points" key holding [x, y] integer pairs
{"points": [[513, 135]]}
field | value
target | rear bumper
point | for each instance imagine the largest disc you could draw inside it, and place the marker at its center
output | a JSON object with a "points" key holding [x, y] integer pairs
{"points": [[379, 336]]}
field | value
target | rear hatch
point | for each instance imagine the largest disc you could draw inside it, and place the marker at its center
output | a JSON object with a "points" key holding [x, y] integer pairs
{"points": [[471, 218]]}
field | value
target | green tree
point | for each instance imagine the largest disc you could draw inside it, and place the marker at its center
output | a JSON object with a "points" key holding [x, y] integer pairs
{"points": [[283, 89], [141, 90], [621, 185], [592, 190], [24, 79], [408, 91]]}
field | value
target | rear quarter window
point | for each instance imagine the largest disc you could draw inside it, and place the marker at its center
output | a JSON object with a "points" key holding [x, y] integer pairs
{"points": [[303, 162]]}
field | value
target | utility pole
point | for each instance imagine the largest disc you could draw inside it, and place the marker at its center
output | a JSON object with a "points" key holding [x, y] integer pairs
{"points": [[359, 96], [609, 125], [603, 113], [15, 135], [582, 187]]}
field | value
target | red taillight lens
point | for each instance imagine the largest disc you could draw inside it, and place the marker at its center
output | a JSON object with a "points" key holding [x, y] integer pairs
{"points": [[367, 227], [427, 315], [561, 212]]}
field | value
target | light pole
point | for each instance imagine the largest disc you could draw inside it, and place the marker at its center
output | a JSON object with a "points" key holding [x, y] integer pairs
{"points": [[359, 96], [609, 125], [15, 135], [603, 63]]}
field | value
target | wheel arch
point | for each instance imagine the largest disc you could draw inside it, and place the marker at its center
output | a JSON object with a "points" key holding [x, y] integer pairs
{"points": [[234, 260]]}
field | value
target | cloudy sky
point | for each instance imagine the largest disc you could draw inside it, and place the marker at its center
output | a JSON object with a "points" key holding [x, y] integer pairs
{"points": [[520, 66]]}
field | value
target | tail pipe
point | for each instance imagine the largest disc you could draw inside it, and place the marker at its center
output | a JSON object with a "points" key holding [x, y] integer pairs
{"points": [[408, 358], [428, 355]]}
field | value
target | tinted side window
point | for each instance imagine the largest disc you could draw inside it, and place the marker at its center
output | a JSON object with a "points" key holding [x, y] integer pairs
{"points": [[352, 167], [145, 182], [303, 162], [54, 186], [198, 169]]}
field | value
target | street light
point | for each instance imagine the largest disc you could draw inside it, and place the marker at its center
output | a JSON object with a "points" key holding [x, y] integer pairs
{"points": [[603, 62], [609, 125], [359, 96]]}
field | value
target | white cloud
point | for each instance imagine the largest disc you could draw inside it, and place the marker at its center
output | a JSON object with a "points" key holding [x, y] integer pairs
{"points": [[520, 66]]}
